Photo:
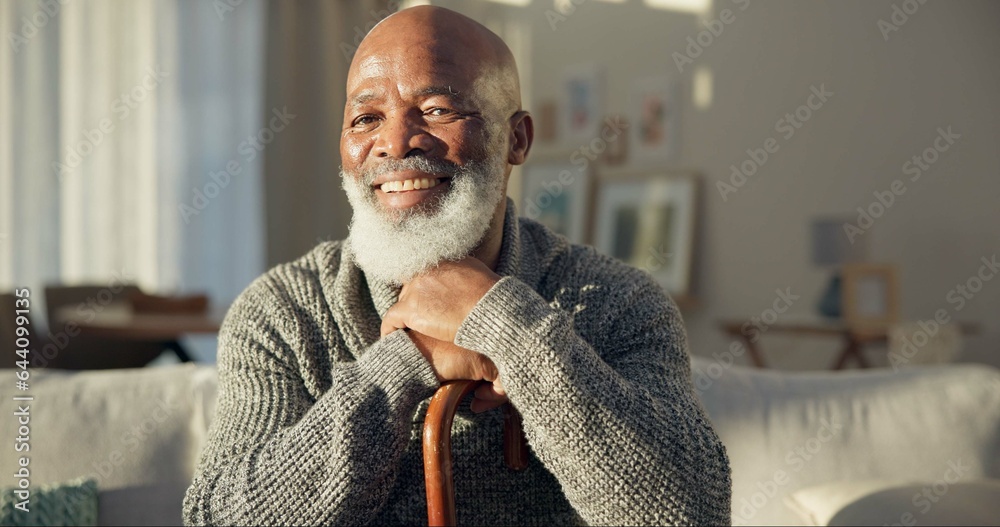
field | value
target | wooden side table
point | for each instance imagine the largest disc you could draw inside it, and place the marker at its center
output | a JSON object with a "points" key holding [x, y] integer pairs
{"points": [[855, 338], [118, 322]]}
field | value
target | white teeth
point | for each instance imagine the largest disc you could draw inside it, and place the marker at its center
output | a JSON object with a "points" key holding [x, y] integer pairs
{"points": [[410, 184]]}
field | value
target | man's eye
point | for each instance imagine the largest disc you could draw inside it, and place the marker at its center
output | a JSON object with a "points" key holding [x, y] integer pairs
{"points": [[438, 112], [364, 120]]}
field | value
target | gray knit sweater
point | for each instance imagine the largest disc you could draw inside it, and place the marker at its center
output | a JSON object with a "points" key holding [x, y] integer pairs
{"points": [[319, 420]]}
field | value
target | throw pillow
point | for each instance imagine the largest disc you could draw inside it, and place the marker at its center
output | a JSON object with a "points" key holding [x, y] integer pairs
{"points": [[876, 502], [70, 503]]}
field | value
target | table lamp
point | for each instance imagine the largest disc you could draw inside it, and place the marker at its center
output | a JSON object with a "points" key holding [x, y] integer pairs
{"points": [[831, 247]]}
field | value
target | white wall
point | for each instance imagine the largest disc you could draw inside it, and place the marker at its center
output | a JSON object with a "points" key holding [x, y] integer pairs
{"points": [[939, 69]]}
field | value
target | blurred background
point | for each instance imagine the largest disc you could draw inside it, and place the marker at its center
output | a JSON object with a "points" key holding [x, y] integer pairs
{"points": [[815, 183]]}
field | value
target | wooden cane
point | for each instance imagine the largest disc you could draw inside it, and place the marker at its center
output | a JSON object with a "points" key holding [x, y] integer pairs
{"points": [[437, 448]]}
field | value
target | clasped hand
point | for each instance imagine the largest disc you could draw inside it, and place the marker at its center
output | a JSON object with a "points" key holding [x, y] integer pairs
{"points": [[430, 309]]}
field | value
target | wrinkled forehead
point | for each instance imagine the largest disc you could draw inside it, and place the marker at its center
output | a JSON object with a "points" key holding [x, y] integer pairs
{"points": [[416, 65]]}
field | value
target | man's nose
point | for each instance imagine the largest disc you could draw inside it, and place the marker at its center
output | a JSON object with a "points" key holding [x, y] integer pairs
{"points": [[402, 136]]}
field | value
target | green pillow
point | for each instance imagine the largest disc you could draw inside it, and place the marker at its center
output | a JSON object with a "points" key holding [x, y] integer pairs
{"points": [[70, 503]]}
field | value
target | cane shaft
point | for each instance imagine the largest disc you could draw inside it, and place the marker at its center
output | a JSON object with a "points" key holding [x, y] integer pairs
{"points": [[437, 448]]}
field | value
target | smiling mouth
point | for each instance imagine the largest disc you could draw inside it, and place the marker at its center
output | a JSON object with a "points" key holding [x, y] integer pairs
{"points": [[406, 185]]}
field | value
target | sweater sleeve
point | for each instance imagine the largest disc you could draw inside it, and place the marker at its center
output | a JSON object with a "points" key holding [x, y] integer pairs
{"points": [[276, 455], [618, 425]]}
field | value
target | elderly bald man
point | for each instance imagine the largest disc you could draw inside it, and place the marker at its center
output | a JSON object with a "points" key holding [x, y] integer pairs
{"points": [[326, 363]]}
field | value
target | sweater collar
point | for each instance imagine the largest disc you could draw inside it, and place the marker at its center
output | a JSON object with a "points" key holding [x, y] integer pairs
{"points": [[360, 303]]}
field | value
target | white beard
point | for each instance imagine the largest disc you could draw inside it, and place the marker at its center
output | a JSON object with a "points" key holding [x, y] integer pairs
{"points": [[394, 247]]}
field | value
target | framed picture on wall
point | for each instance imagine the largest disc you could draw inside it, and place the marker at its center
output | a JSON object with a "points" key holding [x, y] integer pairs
{"points": [[654, 117], [582, 104], [649, 222], [870, 294], [557, 195]]}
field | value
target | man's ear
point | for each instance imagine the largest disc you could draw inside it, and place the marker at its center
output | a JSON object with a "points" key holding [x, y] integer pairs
{"points": [[522, 133]]}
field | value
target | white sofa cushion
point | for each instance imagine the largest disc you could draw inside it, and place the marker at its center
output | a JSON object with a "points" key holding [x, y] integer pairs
{"points": [[138, 432], [877, 502], [819, 504], [784, 432]]}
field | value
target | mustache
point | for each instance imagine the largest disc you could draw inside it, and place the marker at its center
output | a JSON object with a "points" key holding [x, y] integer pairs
{"points": [[440, 167]]}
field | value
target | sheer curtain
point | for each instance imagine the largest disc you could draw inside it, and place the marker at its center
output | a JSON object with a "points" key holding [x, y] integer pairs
{"points": [[131, 144]]}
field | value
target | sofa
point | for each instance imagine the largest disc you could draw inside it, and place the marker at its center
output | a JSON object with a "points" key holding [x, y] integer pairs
{"points": [[793, 439]]}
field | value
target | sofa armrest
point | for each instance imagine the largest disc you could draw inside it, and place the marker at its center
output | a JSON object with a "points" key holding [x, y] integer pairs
{"points": [[138, 432]]}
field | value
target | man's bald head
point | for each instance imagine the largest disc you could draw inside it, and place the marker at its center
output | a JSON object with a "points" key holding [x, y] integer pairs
{"points": [[442, 38]]}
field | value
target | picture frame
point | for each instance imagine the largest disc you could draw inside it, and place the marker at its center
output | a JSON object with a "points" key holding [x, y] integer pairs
{"points": [[582, 104], [558, 195], [870, 294], [655, 118], [650, 221]]}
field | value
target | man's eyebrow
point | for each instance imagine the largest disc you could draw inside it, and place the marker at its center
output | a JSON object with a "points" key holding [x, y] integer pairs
{"points": [[363, 97], [446, 91], [367, 96]]}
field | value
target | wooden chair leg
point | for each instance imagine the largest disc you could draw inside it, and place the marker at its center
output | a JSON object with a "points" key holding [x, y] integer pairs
{"points": [[755, 354], [852, 348], [178, 349]]}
